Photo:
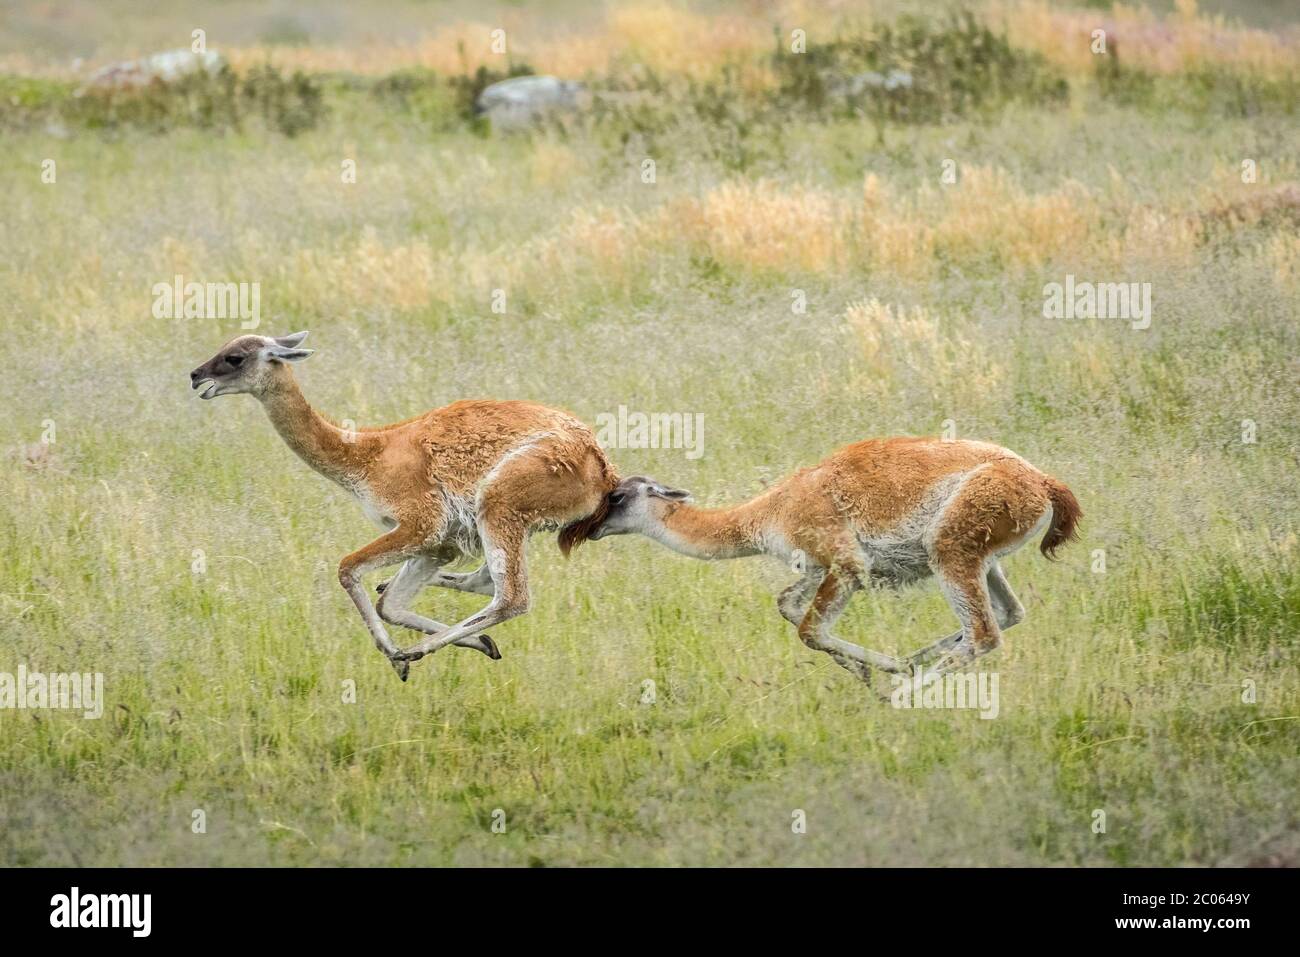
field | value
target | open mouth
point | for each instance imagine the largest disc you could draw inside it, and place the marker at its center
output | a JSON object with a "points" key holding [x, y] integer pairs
{"points": [[210, 391]]}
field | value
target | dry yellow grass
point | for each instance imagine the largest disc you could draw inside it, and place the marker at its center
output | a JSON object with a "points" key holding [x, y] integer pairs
{"points": [[765, 227], [603, 244], [1282, 253], [675, 38], [1150, 238], [758, 228], [1182, 40], [667, 38], [902, 245]]}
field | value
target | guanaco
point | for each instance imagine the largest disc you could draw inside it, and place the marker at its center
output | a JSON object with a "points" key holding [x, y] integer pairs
{"points": [[885, 512], [472, 478]]}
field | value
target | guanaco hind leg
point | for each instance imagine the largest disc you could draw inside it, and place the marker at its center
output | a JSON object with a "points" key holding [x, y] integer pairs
{"points": [[479, 581], [793, 601], [1006, 609], [1006, 606], [504, 547], [394, 604], [995, 512]]}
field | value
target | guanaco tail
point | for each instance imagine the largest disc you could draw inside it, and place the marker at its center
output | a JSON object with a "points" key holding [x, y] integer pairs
{"points": [[884, 511], [473, 478]]}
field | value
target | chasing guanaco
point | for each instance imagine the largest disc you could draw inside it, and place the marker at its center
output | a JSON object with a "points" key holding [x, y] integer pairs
{"points": [[883, 511]]}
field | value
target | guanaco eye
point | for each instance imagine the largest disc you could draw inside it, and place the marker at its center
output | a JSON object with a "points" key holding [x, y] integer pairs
{"points": [[234, 360]]}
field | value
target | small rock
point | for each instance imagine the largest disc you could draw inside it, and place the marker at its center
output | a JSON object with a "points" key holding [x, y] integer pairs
{"points": [[893, 80], [523, 100]]}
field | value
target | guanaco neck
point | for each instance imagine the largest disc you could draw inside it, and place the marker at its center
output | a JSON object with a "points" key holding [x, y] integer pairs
{"points": [[330, 450], [714, 532]]}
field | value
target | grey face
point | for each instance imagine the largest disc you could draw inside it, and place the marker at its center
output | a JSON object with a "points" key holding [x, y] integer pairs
{"points": [[245, 364], [636, 505]]}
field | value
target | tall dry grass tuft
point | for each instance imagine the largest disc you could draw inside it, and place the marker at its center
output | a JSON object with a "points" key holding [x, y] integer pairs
{"points": [[984, 217], [672, 39], [604, 245], [760, 226], [364, 273], [460, 47], [909, 350], [1150, 238], [901, 245], [1282, 254], [987, 214]]}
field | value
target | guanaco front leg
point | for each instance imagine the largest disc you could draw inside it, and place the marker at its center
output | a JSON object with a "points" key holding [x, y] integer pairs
{"points": [[389, 549], [828, 604]]}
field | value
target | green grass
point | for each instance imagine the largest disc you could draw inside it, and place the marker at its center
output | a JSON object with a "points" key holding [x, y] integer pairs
{"points": [[1121, 692]]}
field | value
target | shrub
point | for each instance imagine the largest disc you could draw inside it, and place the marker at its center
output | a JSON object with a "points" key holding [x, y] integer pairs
{"points": [[419, 93], [27, 100], [1212, 90], [467, 87], [290, 106], [215, 101], [916, 72]]}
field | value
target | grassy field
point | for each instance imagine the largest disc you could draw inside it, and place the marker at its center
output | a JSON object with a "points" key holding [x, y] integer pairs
{"points": [[180, 549]]}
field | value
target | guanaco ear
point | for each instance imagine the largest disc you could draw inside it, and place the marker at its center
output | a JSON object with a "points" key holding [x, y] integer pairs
{"points": [[286, 355], [291, 341], [669, 494]]}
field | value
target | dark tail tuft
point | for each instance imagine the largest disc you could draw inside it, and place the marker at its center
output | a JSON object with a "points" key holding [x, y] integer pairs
{"points": [[1065, 518], [575, 533]]}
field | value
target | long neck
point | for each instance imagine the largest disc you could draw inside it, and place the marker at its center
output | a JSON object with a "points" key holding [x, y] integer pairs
{"points": [[713, 532], [330, 450]]}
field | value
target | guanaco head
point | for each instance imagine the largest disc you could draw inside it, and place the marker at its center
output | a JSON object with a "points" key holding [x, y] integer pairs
{"points": [[248, 364], [638, 504]]}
